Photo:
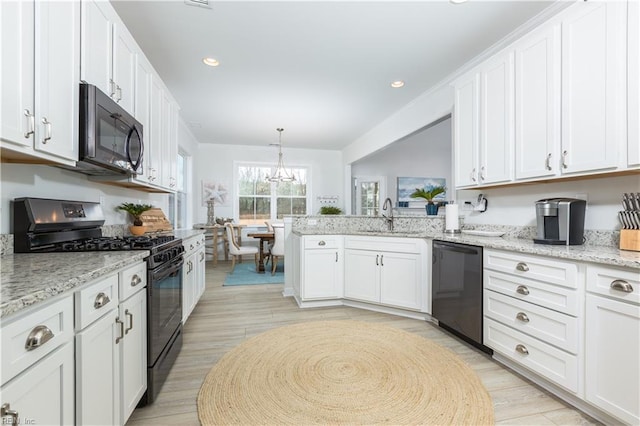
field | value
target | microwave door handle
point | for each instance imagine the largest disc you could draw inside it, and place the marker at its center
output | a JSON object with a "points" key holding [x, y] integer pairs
{"points": [[133, 164]]}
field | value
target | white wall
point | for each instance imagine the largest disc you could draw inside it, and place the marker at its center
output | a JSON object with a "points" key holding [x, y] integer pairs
{"points": [[424, 154], [515, 205], [23, 180], [215, 162]]}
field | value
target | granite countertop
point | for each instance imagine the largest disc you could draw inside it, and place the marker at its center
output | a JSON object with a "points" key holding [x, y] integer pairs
{"points": [[585, 253], [30, 278], [187, 233]]}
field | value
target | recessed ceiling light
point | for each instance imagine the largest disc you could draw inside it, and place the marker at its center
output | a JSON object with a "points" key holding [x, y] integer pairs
{"points": [[457, 1], [397, 83], [211, 62]]}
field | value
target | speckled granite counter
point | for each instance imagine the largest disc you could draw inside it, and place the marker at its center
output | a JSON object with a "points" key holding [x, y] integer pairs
{"points": [[26, 279], [597, 254], [187, 233]]}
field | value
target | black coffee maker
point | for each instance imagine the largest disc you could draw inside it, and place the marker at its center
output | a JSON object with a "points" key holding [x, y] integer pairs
{"points": [[560, 221]]}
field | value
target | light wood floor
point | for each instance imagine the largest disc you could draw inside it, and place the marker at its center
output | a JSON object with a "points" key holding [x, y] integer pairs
{"points": [[226, 316]]}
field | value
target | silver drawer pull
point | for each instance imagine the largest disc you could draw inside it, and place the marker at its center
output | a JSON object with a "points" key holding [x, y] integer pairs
{"points": [[522, 317], [622, 285], [130, 316], [121, 324], [321, 243], [521, 266], [101, 300], [522, 290], [135, 280], [40, 335], [6, 411], [522, 349]]}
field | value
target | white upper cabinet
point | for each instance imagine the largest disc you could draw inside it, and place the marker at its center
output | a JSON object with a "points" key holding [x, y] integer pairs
{"points": [[40, 74], [537, 104], [142, 109], [17, 100], [593, 83], [633, 136], [465, 139], [496, 120], [124, 67], [108, 52]]}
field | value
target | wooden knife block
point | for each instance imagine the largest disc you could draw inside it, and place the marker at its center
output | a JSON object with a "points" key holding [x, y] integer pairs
{"points": [[630, 239]]}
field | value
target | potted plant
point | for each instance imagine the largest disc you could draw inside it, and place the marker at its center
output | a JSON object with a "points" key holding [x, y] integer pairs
{"points": [[135, 210], [330, 210], [429, 195]]}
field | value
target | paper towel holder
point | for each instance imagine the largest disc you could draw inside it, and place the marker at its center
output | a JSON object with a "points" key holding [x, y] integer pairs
{"points": [[455, 230]]}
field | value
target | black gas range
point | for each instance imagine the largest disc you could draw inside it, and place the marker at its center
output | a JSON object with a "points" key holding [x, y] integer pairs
{"points": [[46, 225]]}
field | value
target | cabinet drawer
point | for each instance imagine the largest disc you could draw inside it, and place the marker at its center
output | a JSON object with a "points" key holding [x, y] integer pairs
{"points": [[132, 279], [550, 296], [389, 244], [57, 317], [549, 326], [321, 242], [192, 244], [552, 363], [621, 284], [534, 267], [94, 301]]}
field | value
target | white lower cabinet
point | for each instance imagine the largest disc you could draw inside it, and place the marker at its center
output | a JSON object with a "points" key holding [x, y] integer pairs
{"points": [[38, 366], [532, 314], [612, 351], [44, 393], [321, 270], [193, 274], [111, 351], [393, 276]]}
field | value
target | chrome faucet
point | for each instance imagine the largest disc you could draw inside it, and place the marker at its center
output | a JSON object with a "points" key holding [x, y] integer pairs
{"points": [[388, 205]]}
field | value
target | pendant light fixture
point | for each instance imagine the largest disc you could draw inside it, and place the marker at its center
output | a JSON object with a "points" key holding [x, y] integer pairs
{"points": [[281, 174]]}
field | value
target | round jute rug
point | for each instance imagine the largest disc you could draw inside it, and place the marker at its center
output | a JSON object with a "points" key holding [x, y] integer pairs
{"points": [[342, 372]]}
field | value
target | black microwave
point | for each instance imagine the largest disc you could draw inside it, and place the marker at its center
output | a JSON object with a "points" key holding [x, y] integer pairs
{"points": [[111, 139]]}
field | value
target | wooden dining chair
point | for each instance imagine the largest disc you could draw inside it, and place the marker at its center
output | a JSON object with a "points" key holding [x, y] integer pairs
{"points": [[236, 250], [277, 250]]}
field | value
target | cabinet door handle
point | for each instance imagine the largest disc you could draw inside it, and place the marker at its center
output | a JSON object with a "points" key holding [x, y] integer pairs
{"points": [[336, 256], [40, 335], [6, 411], [321, 243], [377, 256], [482, 173], [521, 266], [564, 159], [135, 280], [31, 123], [473, 175], [522, 317], [547, 162], [191, 247], [522, 349], [522, 290], [201, 256], [622, 285], [382, 260], [119, 92], [121, 324], [112, 87], [130, 315], [101, 300], [47, 130]]}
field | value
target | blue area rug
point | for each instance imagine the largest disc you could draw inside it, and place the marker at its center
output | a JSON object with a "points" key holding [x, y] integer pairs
{"points": [[245, 274]]}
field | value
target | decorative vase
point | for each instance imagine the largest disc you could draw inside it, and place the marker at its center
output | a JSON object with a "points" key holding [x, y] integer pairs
{"points": [[137, 230], [432, 209], [211, 217]]}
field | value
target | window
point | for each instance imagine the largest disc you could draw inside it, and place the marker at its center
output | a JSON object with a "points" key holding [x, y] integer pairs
{"points": [[181, 191], [259, 200]]}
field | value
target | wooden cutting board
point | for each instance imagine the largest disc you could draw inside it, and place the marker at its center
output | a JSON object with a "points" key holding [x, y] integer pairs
{"points": [[155, 220]]}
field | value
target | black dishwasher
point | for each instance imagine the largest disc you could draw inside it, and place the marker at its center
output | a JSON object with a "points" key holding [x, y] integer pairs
{"points": [[456, 290]]}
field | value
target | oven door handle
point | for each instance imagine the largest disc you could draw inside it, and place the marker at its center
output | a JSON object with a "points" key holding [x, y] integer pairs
{"points": [[170, 270]]}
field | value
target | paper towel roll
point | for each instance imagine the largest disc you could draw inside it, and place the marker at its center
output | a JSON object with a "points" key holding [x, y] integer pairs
{"points": [[451, 222]]}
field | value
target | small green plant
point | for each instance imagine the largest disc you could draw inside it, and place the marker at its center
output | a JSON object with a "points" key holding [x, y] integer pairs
{"points": [[135, 210], [428, 195], [330, 210]]}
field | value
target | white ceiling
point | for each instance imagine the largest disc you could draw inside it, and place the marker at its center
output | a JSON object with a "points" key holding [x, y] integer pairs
{"points": [[319, 69]]}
